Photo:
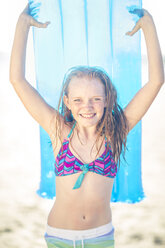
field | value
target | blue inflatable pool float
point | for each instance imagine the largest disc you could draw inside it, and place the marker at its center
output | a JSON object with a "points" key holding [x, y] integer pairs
{"points": [[89, 33]]}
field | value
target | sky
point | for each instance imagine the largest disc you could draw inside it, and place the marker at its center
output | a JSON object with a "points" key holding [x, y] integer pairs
{"points": [[10, 11]]}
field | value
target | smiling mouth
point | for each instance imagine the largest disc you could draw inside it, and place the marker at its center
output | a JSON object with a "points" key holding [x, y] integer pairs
{"points": [[87, 116]]}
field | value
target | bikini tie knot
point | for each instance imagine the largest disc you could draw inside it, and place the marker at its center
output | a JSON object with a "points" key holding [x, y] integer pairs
{"points": [[85, 169]]}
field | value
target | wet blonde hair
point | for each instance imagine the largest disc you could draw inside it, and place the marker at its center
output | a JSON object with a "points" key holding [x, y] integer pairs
{"points": [[113, 123]]}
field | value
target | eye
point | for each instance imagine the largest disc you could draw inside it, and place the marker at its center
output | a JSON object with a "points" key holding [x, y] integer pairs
{"points": [[76, 100], [97, 99]]}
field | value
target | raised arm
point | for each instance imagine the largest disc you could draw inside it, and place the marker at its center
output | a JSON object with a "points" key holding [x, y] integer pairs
{"points": [[32, 100], [139, 105]]}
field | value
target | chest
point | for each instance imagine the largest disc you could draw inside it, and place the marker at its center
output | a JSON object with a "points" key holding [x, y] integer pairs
{"points": [[86, 153]]}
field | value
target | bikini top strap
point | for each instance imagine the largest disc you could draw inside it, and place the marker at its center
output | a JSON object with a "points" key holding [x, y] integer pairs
{"points": [[105, 141], [71, 130]]}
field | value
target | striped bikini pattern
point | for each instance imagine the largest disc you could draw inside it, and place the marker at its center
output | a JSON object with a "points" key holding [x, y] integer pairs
{"points": [[66, 163]]}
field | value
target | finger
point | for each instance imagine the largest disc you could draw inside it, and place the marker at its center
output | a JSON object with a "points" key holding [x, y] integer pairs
{"points": [[134, 30], [43, 25], [39, 24]]}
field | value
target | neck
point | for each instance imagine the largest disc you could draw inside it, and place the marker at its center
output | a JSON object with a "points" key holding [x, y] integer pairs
{"points": [[86, 133]]}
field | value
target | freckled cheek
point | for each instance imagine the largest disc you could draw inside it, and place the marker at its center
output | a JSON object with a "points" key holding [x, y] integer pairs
{"points": [[99, 107], [100, 110], [75, 108]]}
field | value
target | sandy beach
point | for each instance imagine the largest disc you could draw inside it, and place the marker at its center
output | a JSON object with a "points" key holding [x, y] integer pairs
{"points": [[23, 214]]}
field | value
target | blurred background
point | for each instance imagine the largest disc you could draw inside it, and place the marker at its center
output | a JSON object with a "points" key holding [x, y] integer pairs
{"points": [[23, 215]]}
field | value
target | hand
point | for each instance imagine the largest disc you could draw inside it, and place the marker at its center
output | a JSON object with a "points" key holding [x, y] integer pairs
{"points": [[25, 15], [145, 17]]}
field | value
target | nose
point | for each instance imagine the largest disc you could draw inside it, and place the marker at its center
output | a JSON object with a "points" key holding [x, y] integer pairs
{"points": [[88, 103], [87, 107]]}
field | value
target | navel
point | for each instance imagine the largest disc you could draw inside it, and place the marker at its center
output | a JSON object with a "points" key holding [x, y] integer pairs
{"points": [[83, 217]]}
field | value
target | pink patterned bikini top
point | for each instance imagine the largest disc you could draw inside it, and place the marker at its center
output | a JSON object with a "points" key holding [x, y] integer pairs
{"points": [[67, 164]]}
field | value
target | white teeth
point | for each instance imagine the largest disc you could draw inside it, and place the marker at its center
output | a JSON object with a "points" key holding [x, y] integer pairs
{"points": [[87, 115]]}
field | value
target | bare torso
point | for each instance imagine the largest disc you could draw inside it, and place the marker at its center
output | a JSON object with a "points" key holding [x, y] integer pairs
{"points": [[83, 208]]}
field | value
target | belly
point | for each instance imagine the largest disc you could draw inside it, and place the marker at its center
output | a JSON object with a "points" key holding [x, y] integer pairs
{"points": [[83, 208]]}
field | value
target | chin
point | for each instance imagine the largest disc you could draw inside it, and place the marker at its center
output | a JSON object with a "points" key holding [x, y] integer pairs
{"points": [[87, 123]]}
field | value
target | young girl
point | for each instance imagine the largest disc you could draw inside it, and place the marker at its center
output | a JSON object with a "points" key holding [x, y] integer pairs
{"points": [[88, 136]]}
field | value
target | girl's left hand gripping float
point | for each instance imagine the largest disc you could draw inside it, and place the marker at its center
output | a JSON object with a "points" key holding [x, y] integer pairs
{"points": [[143, 15]]}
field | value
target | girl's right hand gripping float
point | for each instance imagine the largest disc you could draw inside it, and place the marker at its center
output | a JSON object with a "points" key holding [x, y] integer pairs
{"points": [[25, 15]]}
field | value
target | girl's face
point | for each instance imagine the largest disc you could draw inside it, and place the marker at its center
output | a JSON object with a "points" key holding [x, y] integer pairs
{"points": [[86, 100]]}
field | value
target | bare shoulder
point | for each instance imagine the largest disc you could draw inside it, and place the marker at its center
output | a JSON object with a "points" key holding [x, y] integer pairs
{"points": [[55, 139], [65, 129]]}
